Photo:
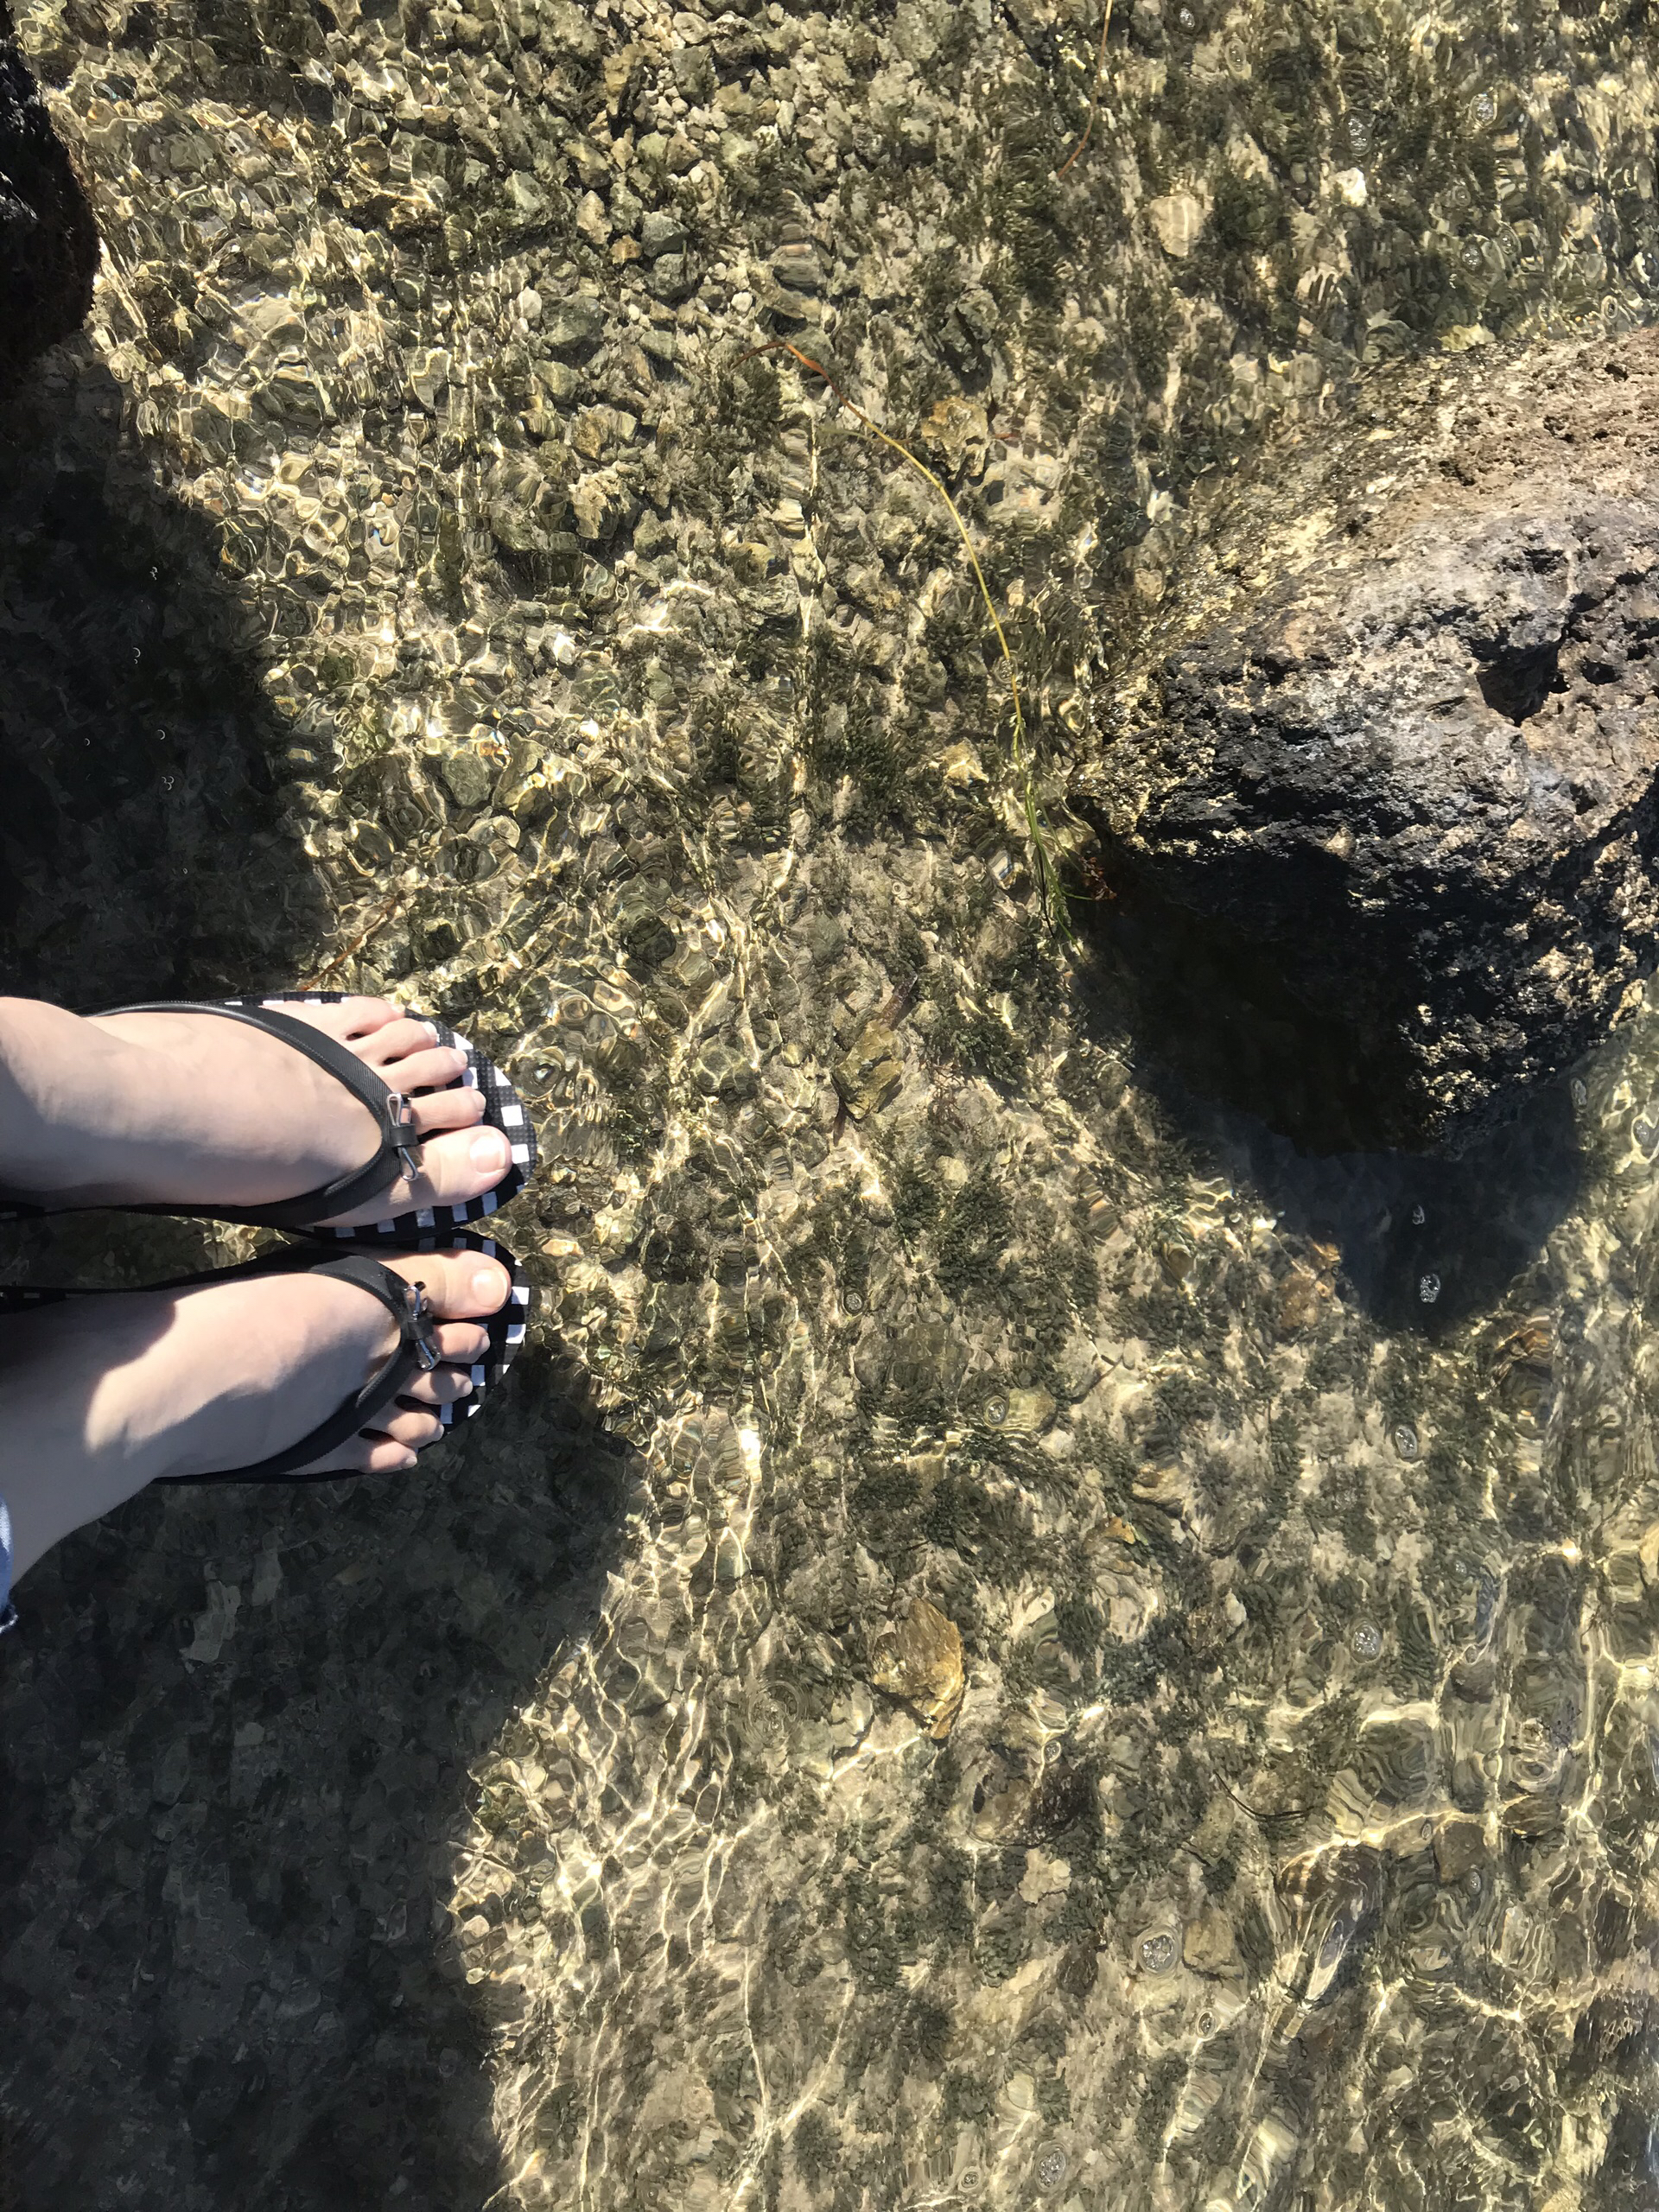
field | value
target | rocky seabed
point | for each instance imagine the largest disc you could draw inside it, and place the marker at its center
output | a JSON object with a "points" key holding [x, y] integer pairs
{"points": [[1016, 1641]]}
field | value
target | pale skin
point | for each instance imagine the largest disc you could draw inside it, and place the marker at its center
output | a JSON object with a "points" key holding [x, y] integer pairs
{"points": [[100, 1396]]}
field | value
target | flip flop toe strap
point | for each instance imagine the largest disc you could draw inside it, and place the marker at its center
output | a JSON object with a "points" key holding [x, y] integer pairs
{"points": [[399, 1151], [417, 1353]]}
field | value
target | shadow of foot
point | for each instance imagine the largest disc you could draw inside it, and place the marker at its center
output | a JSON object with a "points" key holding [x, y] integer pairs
{"points": [[238, 1733], [144, 844], [235, 1726]]}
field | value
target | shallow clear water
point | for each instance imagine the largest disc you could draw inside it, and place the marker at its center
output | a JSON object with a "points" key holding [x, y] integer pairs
{"points": [[1294, 1525]]}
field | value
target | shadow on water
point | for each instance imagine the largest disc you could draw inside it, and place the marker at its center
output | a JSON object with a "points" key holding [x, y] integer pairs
{"points": [[143, 841], [235, 1726], [1427, 1242]]}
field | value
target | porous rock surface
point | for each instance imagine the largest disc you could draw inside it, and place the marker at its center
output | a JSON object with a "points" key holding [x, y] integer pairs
{"points": [[1403, 800], [48, 243]]}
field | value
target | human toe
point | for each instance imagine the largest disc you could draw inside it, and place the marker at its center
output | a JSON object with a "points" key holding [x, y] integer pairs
{"points": [[462, 1343], [436, 1110], [459, 1165], [374, 1455], [408, 1039], [347, 1020], [442, 1387], [459, 1285], [410, 1425], [456, 1167]]}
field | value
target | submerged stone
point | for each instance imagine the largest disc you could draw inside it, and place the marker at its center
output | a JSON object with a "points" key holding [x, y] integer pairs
{"points": [[918, 1658], [1385, 815], [869, 1074]]}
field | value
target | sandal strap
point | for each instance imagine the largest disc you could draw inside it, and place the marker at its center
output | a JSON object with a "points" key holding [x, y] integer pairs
{"points": [[397, 1151], [417, 1353]]}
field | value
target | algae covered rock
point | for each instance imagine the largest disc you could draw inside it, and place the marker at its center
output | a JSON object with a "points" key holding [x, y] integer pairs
{"points": [[1393, 815], [48, 244]]}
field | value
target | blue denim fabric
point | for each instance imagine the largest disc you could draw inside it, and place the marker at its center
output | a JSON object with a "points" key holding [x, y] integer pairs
{"points": [[8, 1611]]}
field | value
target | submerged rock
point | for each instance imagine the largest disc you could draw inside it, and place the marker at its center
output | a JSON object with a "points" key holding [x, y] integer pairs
{"points": [[1389, 821], [918, 1659], [48, 243], [869, 1074]]}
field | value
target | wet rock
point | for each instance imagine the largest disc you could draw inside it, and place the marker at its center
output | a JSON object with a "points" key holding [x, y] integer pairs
{"points": [[1474, 1678], [1029, 1413], [798, 267], [1176, 221], [918, 1658], [1459, 1846], [870, 1072], [1001, 1798], [660, 233], [1393, 796], [1303, 1297], [1336, 1896], [1208, 1945], [573, 323], [467, 777], [48, 243]]}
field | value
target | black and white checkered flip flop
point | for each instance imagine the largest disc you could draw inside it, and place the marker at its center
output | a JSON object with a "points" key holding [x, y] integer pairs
{"points": [[399, 1149], [416, 1353]]}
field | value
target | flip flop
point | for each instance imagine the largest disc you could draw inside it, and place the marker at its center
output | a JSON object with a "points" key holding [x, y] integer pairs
{"points": [[415, 1354], [398, 1151]]}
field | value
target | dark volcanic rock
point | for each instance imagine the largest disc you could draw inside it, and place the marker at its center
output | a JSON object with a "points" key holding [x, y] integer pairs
{"points": [[1382, 832], [48, 243]]}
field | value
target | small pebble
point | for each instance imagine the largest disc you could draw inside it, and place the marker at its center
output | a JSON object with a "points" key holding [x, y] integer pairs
{"points": [[1428, 1288], [1365, 1640], [1407, 1443], [1050, 2167], [1158, 1953]]}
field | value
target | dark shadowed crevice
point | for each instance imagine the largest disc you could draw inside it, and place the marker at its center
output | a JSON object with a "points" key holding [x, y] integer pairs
{"points": [[1516, 684]]}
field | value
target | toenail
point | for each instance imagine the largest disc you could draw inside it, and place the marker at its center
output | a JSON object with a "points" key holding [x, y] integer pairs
{"points": [[488, 1149], [485, 1285]]}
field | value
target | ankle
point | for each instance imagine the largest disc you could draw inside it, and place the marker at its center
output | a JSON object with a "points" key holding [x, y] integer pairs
{"points": [[56, 1071], [72, 1450]]}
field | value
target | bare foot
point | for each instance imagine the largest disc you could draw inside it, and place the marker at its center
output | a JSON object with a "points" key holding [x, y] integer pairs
{"points": [[194, 1109], [100, 1396]]}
